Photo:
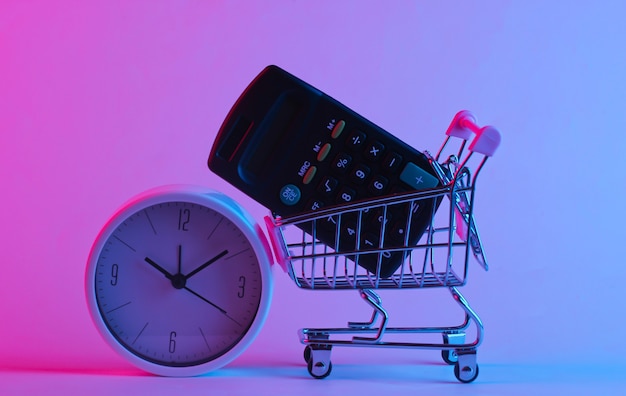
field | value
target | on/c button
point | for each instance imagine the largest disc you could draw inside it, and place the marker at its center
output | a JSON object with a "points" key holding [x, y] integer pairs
{"points": [[290, 195]]}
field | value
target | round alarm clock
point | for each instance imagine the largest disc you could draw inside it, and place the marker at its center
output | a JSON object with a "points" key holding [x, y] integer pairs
{"points": [[178, 281]]}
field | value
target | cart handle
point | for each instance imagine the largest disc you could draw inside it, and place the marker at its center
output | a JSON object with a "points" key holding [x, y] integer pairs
{"points": [[464, 125], [461, 125], [486, 141]]}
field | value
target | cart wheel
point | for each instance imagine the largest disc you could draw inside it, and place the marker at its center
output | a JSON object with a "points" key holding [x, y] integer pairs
{"points": [[319, 370], [449, 356], [465, 374], [318, 360], [307, 354]]}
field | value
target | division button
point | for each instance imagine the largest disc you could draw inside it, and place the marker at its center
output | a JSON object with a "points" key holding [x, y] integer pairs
{"points": [[290, 195], [356, 140], [417, 178]]}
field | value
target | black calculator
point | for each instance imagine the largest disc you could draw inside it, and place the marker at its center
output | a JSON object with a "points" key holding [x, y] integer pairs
{"points": [[294, 149]]}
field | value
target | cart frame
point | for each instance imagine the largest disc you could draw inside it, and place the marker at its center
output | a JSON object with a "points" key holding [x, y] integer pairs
{"points": [[439, 259]]}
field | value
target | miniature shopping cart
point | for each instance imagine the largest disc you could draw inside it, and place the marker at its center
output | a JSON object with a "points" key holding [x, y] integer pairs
{"points": [[439, 259]]}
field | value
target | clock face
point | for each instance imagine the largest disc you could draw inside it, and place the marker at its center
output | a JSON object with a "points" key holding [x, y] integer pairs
{"points": [[179, 284]]}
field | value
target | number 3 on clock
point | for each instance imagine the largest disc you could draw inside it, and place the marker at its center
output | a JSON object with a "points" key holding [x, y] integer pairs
{"points": [[242, 286]]}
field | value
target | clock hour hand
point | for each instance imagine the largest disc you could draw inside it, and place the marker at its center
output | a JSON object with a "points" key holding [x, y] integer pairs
{"points": [[203, 266], [159, 268]]}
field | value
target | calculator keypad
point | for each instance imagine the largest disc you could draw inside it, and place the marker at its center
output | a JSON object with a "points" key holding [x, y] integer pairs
{"points": [[351, 164], [366, 167]]}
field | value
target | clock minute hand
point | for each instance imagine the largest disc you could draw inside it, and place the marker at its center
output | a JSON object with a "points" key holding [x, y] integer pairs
{"points": [[159, 268], [203, 266]]}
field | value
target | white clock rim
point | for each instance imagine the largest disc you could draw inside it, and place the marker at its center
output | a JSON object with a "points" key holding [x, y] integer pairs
{"points": [[227, 207]]}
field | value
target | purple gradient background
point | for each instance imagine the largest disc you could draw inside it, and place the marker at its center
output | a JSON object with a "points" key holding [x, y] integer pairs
{"points": [[102, 100]]}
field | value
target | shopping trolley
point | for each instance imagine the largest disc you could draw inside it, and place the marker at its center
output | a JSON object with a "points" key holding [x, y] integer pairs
{"points": [[439, 259]]}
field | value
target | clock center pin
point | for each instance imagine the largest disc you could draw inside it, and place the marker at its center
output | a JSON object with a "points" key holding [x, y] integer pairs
{"points": [[179, 281]]}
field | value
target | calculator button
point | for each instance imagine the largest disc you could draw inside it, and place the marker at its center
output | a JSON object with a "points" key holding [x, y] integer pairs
{"points": [[378, 185], [369, 240], [398, 232], [323, 153], [348, 231], [290, 195], [392, 161], [378, 216], [328, 185], [349, 236], [374, 151], [342, 162], [417, 177], [309, 175], [330, 222], [346, 195], [415, 207], [317, 146], [356, 140], [337, 129], [359, 174], [314, 204]]}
